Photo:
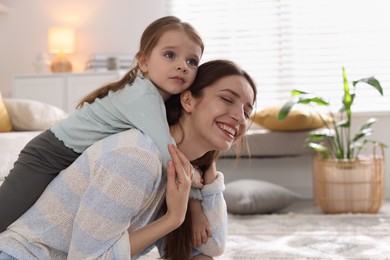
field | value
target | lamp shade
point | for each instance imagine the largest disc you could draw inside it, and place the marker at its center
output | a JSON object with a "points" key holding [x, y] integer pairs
{"points": [[61, 40]]}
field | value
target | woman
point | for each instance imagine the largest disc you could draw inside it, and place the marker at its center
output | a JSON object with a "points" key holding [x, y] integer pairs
{"points": [[110, 202]]}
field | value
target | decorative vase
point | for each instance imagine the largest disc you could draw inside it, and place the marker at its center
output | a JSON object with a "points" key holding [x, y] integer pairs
{"points": [[349, 186], [42, 63]]}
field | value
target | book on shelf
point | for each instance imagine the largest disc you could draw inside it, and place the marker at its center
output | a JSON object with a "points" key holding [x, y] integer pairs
{"points": [[105, 56], [105, 61], [100, 64]]}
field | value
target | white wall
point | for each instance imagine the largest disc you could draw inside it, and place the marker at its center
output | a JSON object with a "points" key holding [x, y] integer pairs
{"points": [[100, 25], [115, 26]]}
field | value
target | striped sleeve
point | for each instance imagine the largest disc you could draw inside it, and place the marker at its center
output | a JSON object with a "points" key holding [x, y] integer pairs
{"points": [[121, 182]]}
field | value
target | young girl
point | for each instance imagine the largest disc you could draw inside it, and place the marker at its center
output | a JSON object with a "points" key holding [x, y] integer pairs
{"points": [[168, 59]]}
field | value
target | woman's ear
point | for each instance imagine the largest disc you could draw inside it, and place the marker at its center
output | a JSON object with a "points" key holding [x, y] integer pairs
{"points": [[187, 101], [142, 63]]}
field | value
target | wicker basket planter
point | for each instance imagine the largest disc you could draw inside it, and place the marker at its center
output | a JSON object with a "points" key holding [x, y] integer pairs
{"points": [[343, 186]]}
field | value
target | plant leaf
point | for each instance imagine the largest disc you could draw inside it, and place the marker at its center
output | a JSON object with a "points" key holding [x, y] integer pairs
{"points": [[358, 145], [300, 97], [320, 148], [283, 112], [343, 123], [320, 135], [347, 98], [362, 133], [371, 81], [368, 123], [318, 101], [297, 92], [365, 129]]}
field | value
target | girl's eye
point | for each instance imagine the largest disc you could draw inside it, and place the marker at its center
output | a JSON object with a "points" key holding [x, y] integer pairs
{"points": [[169, 54], [193, 62]]}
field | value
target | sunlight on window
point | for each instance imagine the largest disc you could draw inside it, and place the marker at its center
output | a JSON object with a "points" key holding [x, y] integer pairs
{"points": [[298, 44]]}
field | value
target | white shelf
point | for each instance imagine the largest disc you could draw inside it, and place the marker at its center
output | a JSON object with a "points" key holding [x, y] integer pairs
{"points": [[63, 90]]}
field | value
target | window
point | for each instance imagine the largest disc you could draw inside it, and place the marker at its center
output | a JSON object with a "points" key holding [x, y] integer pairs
{"points": [[299, 44]]}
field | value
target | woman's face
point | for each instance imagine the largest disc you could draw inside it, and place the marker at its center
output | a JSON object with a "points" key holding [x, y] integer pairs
{"points": [[221, 115]]}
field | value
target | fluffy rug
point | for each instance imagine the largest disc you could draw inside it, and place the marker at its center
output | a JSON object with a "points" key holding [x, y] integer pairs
{"points": [[303, 236]]}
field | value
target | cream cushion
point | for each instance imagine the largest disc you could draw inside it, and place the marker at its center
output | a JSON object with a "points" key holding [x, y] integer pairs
{"points": [[5, 123], [29, 118], [11, 144], [30, 115], [300, 118]]}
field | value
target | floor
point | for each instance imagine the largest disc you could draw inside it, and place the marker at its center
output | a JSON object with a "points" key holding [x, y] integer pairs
{"points": [[309, 207]]}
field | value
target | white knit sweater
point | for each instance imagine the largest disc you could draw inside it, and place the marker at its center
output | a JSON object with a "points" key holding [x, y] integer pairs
{"points": [[87, 211]]}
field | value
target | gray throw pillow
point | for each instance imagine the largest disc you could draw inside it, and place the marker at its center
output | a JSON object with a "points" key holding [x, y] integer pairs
{"points": [[250, 196]]}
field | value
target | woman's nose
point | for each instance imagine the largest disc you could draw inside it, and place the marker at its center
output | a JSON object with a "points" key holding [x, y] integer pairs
{"points": [[239, 115]]}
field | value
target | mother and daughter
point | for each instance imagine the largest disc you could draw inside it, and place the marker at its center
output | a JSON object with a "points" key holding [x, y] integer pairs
{"points": [[127, 191]]}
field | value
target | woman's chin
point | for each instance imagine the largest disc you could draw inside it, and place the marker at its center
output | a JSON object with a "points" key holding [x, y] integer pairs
{"points": [[225, 147]]}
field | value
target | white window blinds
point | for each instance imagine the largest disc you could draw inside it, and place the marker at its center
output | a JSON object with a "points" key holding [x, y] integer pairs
{"points": [[299, 44]]}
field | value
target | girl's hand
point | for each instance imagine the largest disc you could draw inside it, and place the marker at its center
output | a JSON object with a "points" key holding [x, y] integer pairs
{"points": [[179, 176], [201, 229], [197, 179]]}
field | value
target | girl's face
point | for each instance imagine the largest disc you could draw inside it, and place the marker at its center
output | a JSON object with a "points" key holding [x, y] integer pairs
{"points": [[173, 63], [221, 115]]}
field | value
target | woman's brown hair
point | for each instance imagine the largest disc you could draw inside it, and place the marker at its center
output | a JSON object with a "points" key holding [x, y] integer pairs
{"points": [[178, 245], [149, 40]]}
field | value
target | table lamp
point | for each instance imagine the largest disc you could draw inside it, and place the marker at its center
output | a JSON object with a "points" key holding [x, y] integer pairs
{"points": [[61, 42]]}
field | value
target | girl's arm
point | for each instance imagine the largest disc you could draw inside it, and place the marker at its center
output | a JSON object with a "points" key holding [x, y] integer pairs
{"points": [[214, 207]]}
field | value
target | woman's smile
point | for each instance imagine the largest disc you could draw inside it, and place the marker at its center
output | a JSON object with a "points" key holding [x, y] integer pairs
{"points": [[229, 131]]}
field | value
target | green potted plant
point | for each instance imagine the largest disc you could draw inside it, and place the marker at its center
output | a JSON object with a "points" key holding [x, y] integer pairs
{"points": [[344, 179]]}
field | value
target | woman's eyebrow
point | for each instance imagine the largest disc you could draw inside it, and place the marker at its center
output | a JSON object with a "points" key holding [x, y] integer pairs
{"points": [[234, 93]]}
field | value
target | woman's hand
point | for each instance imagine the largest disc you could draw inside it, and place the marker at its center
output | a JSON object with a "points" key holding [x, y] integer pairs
{"points": [[179, 176]]}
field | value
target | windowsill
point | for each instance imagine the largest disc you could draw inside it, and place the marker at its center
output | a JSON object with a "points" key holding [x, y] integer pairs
{"points": [[372, 113], [264, 143]]}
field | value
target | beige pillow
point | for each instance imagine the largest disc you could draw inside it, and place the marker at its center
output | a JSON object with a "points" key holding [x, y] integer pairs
{"points": [[5, 123], [31, 115], [300, 118]]}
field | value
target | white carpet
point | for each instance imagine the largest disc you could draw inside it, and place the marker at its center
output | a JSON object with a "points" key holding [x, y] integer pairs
{"points": [[303, 236]]}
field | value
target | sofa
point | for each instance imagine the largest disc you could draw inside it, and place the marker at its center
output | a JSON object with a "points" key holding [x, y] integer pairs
{"points": [[20, 121]]}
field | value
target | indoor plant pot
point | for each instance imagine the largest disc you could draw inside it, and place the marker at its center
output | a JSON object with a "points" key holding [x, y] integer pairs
{"points": [[355, 186], [343, 179]]}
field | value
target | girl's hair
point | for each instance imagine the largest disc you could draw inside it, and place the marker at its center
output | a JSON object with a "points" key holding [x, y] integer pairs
{"points": [[179, 241], [149, 40]]}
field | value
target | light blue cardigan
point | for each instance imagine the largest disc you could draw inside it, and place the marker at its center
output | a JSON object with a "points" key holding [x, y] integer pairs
{"points": [[138, 105]]}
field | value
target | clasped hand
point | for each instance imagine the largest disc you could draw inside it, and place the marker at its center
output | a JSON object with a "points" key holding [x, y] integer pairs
{"points": [[179, 177]]}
